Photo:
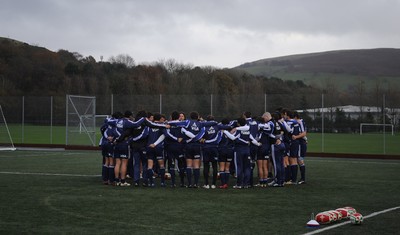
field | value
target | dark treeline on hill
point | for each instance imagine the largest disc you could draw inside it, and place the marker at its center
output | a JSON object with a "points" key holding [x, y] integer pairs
{"points": [[27, 70]]}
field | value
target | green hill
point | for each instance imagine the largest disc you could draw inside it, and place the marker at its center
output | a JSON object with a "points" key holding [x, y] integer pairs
{"points": [[344, 68]]}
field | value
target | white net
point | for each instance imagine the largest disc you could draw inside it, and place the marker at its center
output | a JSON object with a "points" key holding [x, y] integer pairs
{"points": [[6, 142], [81, 120]]}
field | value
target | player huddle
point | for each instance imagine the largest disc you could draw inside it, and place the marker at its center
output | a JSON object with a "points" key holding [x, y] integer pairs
{"points": [[146, 145]]}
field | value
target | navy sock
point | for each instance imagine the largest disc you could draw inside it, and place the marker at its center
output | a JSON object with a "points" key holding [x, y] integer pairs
{"points": [[104, 171], [303, 172], [214, 179], [227, 173], [150, 174], [182, 175], [222, 177], [196, 173], [287, 173], [172, 172], [111, 175], [294, 170], [189, 175], [206, 172], [162, 175]]}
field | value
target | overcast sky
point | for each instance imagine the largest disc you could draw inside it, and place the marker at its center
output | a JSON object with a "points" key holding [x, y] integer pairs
{"points": [[220, 33]]}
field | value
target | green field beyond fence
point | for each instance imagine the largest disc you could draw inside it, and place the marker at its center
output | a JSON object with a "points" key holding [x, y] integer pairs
{"points": [[329, 143], [60, 192]]}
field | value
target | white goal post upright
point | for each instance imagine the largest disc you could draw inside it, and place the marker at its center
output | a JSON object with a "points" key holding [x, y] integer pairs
{"points": [[375, 124], [6, 142]]}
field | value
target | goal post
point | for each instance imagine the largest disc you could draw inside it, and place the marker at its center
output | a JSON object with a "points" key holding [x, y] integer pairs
{"points": [[80, 120], [6, 142], [363, 125]]}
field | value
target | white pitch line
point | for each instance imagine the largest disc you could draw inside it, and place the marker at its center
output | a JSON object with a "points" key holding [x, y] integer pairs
{"points": [[359, 162], [46, 174], [347, 222]]}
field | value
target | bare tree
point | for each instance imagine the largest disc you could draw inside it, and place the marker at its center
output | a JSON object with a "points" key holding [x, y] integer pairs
{"points": [[123, 59]]}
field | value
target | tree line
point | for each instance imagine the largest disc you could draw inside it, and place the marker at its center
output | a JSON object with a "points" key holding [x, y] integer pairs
{"points": [[27, 70]]}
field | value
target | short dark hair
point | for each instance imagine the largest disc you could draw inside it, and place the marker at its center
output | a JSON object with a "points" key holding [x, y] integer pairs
{"points": [[210, 118], [117, 115], [140, 114], [157, 116], [175, 115], [241, 121], [225, 121], [247, 114], [276, 116], [128, 113], [194, 115], [290, 114]]}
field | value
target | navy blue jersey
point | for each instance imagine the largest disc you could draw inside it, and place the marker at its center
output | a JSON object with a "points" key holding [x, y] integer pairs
{"points": [[124, 123], [266, 132], [173, 134], [225, 142], [242, 136], [108, 129], [213, 135], [294, 125], [195, 127], [285, 130], [154, 134], [254, 128]]}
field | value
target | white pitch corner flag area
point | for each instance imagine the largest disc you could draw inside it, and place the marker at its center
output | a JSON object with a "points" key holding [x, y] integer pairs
{"points": [[6, 142]]}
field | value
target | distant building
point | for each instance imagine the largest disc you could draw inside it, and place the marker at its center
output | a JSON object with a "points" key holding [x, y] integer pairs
{"points": [[354, 112]]}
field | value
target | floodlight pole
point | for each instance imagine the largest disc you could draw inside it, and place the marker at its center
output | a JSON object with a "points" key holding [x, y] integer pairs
{"points": [[265, 102], [384, 126], [322, 125], [160, 103]]}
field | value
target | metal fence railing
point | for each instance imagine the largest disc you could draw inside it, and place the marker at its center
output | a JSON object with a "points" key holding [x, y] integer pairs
{"points": [[43, 119]]}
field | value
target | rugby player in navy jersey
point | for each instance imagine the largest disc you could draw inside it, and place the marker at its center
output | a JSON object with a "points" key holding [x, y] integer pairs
{"points": [[243, 138], [278, 150], [254, 130], [286, 141], [174, 145], [210, 141], [138, 144], [155, 151], [121, 150], [193, 146], [303, 147], [109, 135], [294, 146], [225, 156], [266, 130]]}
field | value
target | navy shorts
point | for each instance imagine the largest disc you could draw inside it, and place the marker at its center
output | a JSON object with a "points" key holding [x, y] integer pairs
{"points": [[225, 155], [264, 152], [294, 148], [193, 151], [107, 149], [121, 150], [210, 154], [156, 153]]}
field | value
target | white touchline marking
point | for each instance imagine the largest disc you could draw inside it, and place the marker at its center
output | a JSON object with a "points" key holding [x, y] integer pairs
{"points": [[347, 222], [358, 162], [46, 174]]}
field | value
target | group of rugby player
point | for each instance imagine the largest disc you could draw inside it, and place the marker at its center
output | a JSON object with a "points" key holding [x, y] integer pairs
{"points": [[141, 147]]}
